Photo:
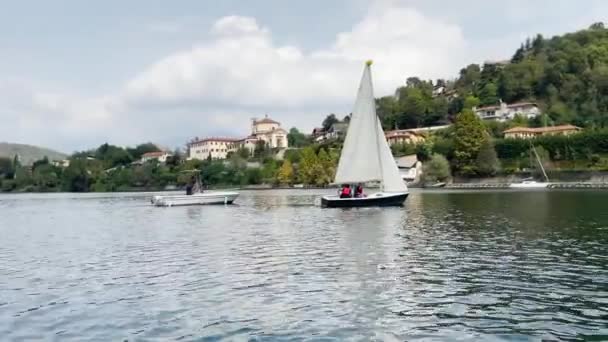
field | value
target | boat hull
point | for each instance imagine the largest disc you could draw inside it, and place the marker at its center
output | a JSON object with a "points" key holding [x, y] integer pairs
{"points": [[373, 200], [205, 198]]}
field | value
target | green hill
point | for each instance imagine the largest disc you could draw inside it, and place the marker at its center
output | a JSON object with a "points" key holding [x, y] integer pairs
{"points": [[567, 76], [28, 153]]}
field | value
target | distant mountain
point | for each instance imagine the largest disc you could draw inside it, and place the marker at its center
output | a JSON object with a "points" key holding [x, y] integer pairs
{"points": [[28, 154]]}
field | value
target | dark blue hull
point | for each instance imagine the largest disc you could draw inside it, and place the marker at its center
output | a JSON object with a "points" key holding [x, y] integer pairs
{"points": [[383, 200]]}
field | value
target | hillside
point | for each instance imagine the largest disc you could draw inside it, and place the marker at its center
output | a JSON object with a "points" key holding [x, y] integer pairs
{"points": [[28, 153], [566, 75]]}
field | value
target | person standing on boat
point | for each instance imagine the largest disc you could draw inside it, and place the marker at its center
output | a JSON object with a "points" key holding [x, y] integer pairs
{"points": [[359, 191], [345, 192], [189, 186]]}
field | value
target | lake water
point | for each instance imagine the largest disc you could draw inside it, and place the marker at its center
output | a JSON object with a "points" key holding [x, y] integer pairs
{"points": [[448, 266]]}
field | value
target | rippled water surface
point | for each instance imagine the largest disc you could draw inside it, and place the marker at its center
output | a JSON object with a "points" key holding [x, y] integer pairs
{"points": [[448, 266]]}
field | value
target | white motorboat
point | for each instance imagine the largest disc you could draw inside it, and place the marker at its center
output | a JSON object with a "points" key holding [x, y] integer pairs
{"points": [[196, 196], [366, 156], [200, 198]]}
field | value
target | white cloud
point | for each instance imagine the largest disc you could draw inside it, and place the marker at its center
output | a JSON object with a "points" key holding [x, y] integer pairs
{"points": [[241, 67], [240, 72]]}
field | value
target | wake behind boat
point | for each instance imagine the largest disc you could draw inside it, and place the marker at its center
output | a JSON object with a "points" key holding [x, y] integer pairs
{"points": [[366, 156], [195, 195]]}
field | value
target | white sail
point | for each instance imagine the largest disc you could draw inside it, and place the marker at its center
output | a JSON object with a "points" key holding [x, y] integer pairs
{"points": [[366, 155], [359, 162], [391, 178]]}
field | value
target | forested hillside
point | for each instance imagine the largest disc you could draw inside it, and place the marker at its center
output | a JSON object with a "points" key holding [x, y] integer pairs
{"points": [[566, 75]]}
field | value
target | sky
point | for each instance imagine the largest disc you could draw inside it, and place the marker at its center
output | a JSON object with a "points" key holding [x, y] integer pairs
{"points": [[75, 74]]}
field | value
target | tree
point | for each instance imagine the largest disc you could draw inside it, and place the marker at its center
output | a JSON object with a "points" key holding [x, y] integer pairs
{"points": [[519, 54], [347, 118], [487, 161], [297, 139], [285, 174], [469, 134], [326, 169], [488, 94], [6, 168], [329, 121], [437, 169], [309, 166], [538, 44], [76, 177], [40, 162], [470, 102], [597, 26], [388, 109]]}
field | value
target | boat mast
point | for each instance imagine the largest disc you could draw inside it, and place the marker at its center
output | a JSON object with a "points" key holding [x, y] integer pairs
{"points": [[369, 63], [539, 162]]}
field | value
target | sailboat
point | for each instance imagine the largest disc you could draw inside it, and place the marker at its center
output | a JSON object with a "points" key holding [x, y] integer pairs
{"points": [[530, 183], [366, 156]]}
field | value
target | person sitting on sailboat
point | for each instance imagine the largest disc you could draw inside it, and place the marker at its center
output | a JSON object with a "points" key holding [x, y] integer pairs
{"points": [[359, 191], [345, 191]]}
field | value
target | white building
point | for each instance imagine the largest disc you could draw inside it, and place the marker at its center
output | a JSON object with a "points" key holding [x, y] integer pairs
{"points": [[216, 148], [504, 111], [161, 156], [266, 130], [269, 131]]}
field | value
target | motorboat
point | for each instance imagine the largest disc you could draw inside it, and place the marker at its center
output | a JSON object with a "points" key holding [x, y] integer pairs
{"points": [[201, 198], [197, 196], [366, 156]]}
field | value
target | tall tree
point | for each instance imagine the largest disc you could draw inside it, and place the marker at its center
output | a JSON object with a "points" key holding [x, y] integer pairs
{"points": [[488, 94], [327, 168], [469, 134], [285, 174], [487, 160], [309, 166]]}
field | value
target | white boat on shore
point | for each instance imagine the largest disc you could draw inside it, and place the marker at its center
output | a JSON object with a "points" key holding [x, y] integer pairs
{"points": [[529, 184], [200, 198]]}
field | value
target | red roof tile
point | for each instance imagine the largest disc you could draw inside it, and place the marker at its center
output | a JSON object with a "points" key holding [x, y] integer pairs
{"points": [[153, 154]]}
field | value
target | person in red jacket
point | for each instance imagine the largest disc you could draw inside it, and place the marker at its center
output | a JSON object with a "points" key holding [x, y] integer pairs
{"points": [[345, 192]]}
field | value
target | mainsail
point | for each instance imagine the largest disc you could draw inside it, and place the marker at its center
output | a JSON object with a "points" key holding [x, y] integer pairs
{"points": [[366, 156]]}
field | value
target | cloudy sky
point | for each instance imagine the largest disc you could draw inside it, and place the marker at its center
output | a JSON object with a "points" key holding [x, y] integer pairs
{"points": [[75, 74]]}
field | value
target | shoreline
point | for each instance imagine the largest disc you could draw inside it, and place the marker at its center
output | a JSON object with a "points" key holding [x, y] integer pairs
{"points": [[452, 186]]}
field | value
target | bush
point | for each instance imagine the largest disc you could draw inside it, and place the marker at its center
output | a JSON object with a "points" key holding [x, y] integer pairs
{"points": [[436, 170]]}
